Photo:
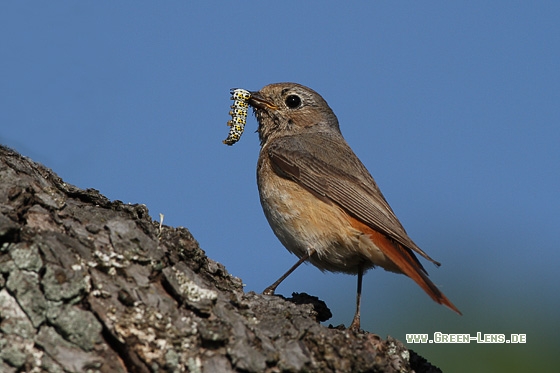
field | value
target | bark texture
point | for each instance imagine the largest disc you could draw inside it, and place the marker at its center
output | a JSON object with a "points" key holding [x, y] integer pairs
{"points": [[92, 285]]}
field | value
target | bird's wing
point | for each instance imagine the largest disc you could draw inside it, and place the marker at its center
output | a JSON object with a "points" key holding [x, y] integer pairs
{"points": [[335, 173]]}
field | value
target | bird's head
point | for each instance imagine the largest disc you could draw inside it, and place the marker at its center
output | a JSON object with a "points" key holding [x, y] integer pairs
{"points": [[286, 109]]}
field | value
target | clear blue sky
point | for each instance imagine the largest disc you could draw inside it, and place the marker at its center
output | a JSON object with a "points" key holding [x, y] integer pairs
{"points": [[454, 107]]}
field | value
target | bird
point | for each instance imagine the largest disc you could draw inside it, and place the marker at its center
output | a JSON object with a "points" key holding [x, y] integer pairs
{"points": [[320, 200]]}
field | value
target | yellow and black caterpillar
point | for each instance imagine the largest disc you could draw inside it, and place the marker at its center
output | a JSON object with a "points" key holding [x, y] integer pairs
{"points": [[238, 115]]}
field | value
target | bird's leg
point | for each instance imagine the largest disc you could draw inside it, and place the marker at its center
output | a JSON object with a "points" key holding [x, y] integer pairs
{"points": [[270, 290], [356, 322]]}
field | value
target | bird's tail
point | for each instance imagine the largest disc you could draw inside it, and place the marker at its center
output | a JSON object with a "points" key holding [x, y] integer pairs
{"points": [[409, 265]]}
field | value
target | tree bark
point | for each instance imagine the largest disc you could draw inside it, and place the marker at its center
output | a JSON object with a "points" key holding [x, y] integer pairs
{"points": [[88, 284]]}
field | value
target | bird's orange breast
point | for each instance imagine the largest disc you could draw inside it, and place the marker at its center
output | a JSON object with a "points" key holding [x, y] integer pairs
{"points": [[303, 222]]}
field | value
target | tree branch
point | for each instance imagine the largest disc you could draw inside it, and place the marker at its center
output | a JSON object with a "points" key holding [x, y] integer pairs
{"points": [[88, 284]]}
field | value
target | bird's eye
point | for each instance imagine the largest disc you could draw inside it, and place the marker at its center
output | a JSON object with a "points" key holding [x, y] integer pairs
{"points": [[293, 101]]}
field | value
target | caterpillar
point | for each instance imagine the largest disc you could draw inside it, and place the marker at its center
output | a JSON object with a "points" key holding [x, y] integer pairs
{"points": [[238, 114]]}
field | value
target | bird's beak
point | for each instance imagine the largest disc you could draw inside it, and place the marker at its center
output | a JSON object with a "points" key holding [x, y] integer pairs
{"points": [[259, 102]]}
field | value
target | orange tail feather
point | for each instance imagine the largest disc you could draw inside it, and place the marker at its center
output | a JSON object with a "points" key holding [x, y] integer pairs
{"points": [[407, 262]]}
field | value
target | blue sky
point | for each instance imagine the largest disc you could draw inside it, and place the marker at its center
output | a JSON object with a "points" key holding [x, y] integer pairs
{"points": [[454, 107]]}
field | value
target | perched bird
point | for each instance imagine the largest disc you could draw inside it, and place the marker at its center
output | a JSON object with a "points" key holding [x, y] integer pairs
{"points": [[320, 200]]}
